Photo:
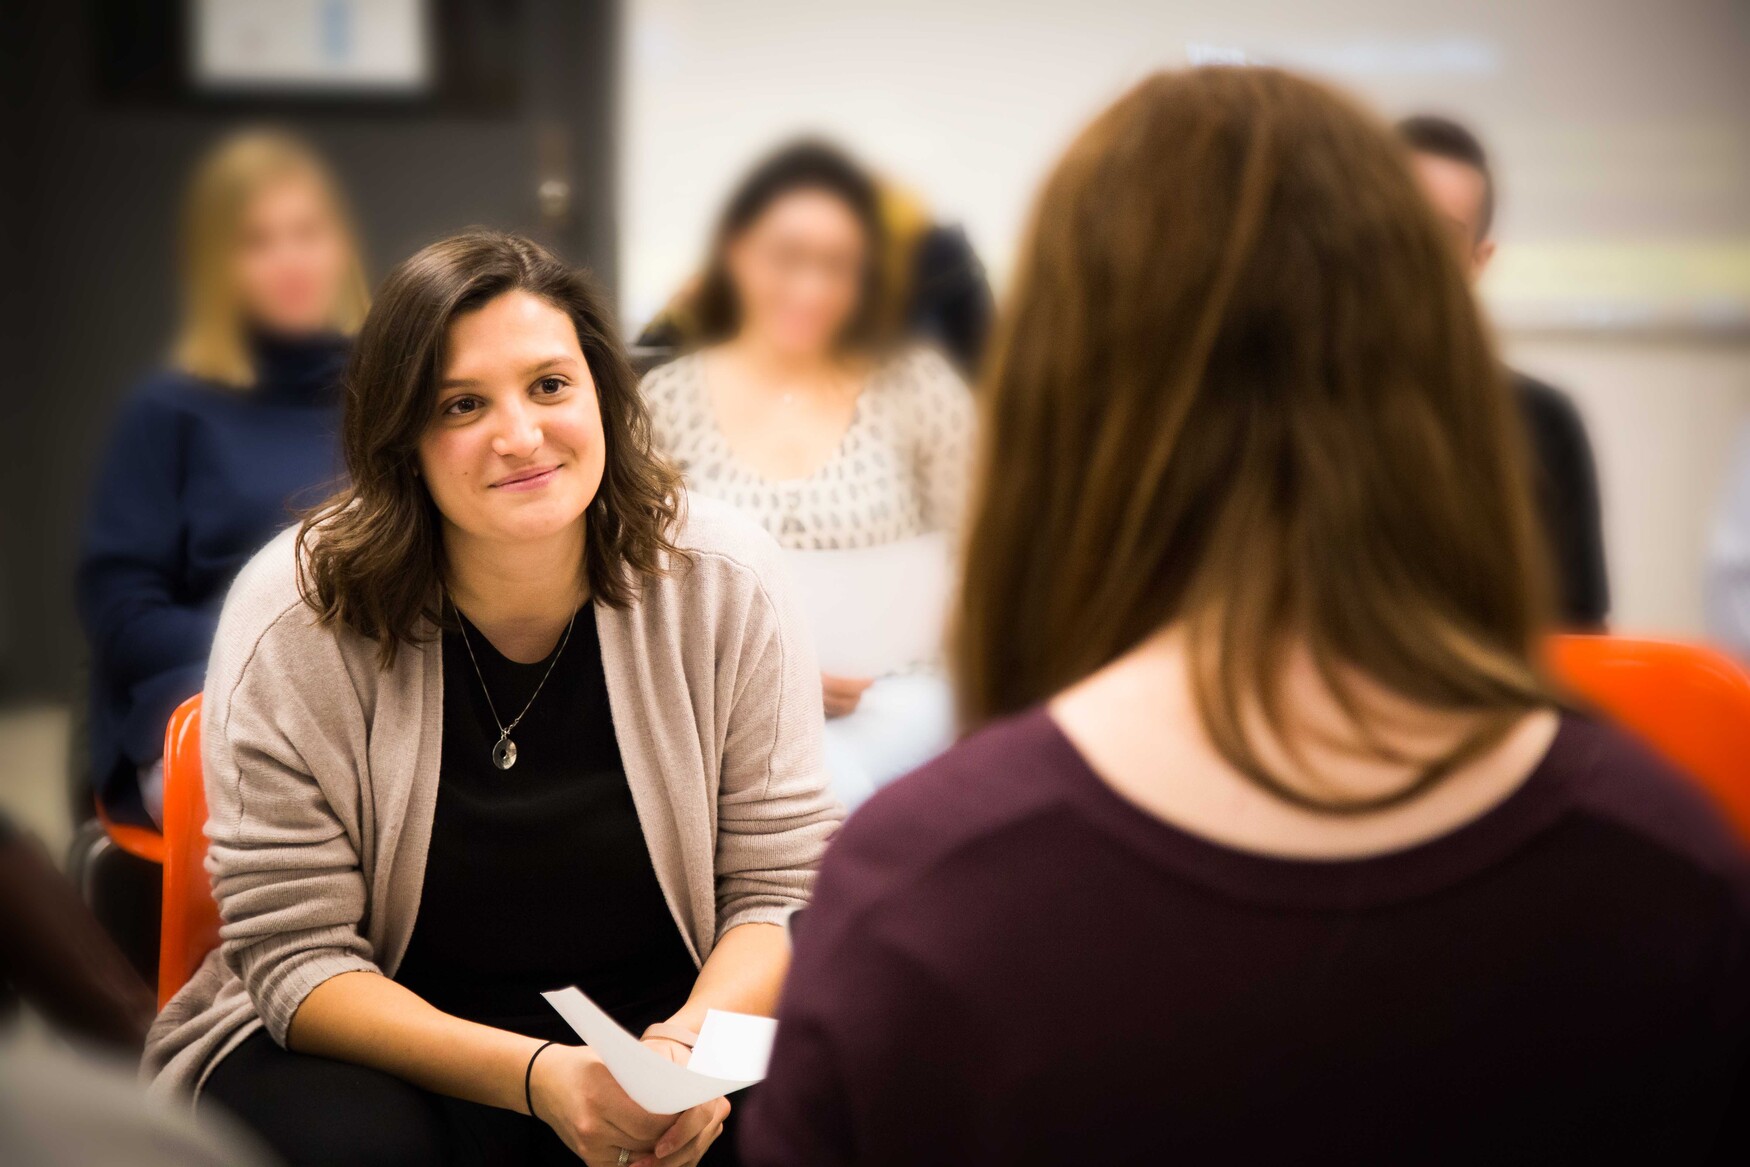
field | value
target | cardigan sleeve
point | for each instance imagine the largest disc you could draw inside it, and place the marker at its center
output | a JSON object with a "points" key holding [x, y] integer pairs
{"points": [[280, 725], [774, 813]]}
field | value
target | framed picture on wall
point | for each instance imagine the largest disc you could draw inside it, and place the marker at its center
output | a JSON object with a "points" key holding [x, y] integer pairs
{"points": [[299, 57], [377, 46]]}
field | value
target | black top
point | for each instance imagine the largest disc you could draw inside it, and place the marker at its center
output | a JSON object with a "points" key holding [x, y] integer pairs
{"points": [[1005, 961], [1565, 487], [538, 876]]}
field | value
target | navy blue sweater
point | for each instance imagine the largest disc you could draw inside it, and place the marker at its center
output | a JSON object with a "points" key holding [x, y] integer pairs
{"points": [[196, 479]]}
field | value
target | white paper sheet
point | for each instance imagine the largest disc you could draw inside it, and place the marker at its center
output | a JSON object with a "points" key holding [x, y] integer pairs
{"points": [[875, 610], [733, 1046], [732, 1052]]}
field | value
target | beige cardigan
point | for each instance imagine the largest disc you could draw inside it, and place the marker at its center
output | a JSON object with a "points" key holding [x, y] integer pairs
{"points": [[322, 774]]}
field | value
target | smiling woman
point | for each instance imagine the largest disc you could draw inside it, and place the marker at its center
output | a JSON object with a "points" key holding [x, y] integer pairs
{"points": [[515, 452], [492, 360], [510, 559]]}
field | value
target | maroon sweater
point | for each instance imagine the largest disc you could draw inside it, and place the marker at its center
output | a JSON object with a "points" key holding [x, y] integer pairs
{"points": [[1005, 962]]}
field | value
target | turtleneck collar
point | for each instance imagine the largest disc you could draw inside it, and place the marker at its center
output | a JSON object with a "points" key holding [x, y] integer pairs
{"points": [[299, 369]]}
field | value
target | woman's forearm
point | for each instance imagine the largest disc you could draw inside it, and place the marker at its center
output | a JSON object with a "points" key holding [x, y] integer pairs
{"points": [[742, 975], [368, 1019]]}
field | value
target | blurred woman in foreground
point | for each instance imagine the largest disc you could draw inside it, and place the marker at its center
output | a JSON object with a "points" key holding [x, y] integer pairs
{"points": [[212, 456], [1273, 845], [853, 456]]}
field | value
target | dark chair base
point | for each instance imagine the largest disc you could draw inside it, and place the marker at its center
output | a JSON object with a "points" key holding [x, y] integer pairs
{"points": [[124, 892]]}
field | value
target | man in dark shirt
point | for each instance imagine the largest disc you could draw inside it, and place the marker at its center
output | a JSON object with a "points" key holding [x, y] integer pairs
{"points": [[1454, 170]]}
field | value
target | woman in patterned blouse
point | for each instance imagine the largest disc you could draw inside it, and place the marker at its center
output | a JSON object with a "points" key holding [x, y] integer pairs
{"points": [[795, 410]]}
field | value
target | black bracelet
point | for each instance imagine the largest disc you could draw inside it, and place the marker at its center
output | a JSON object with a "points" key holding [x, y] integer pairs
{"points": [[529, 1077]]}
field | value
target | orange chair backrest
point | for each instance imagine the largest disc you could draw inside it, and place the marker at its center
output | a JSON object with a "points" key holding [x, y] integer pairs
{"points": [[1690, 703], [190, 927]]}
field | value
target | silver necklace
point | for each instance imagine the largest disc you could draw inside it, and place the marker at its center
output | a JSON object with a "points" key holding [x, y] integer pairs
{"points": [[504, 753]]}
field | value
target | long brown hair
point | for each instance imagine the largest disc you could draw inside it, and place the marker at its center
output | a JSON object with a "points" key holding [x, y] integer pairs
{"points": [[373, 554], [212, 341], [1243, 386]]}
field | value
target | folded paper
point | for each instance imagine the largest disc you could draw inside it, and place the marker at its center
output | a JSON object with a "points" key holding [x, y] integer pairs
{"points": [[731, 1053]]}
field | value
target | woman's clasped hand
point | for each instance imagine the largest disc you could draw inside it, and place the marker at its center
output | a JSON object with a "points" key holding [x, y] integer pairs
{"points": [[573, 1092]]}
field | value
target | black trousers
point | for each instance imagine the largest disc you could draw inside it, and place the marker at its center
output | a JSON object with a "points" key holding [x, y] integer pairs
{"points": [[318, 1112]]}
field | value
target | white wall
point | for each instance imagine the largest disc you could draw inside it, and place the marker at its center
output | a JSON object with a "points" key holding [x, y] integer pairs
{"points": [[1619, 128], [1665, 416]]}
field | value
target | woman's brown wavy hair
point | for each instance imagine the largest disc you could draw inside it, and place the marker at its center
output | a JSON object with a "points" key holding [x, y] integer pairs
{"points": [[1243, 386], [372, 554]]}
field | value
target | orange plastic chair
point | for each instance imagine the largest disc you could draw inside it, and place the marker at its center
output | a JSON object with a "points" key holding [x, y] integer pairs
{"points": [[1690, 703], [140, 842], [190, 927]]}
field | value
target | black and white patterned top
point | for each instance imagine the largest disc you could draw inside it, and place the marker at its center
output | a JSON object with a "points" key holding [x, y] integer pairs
{"points": [[901, 468]]}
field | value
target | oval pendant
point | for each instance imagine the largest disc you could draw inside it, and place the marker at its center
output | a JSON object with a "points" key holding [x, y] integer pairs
{"points": [[504, 753]]}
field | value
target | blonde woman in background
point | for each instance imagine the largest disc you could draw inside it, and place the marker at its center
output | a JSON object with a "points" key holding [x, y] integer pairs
{"points": [[852, 453], [215, 453]]}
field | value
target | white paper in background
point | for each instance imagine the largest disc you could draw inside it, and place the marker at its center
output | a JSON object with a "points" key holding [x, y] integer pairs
{"points": [[734, 1046], [875, 610]]}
